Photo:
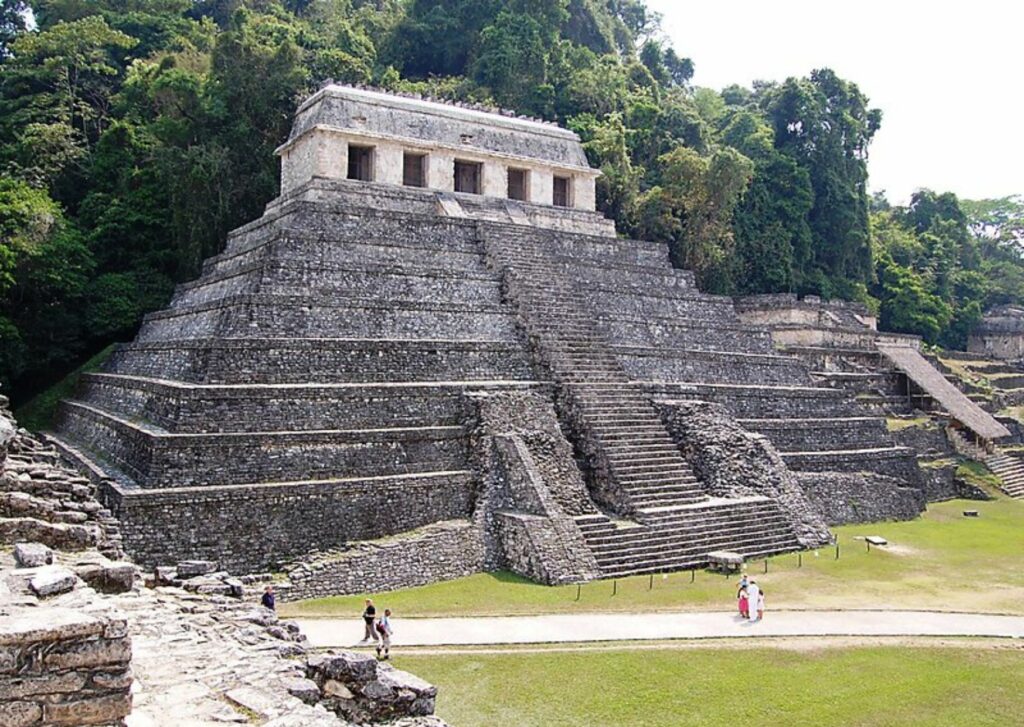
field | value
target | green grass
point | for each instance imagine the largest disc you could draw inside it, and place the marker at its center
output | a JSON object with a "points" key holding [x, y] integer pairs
{"points": [[977, 474], [38, 413], [895, 424], [868, 687], [1014, 412], [941, 561]]}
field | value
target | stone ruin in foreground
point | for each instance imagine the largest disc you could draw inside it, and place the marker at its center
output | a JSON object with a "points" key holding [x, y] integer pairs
{"points": [[433, 343]]}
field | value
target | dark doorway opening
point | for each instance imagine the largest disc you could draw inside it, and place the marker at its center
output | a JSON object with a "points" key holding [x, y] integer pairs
{"points": [[467, 177], [414, 170], [517, 184], [560, 192], [360, 163]]}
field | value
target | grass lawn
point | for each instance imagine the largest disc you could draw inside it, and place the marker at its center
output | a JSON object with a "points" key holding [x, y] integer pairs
{"points": [[941, 561], [864, 686]]}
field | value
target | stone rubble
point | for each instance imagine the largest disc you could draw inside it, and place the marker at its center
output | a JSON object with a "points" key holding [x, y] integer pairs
{"points": [[45, 502], [85, 639]]}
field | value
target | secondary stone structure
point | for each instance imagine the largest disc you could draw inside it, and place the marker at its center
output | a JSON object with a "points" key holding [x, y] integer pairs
{"points": [[1000, 334], [432, 341]]}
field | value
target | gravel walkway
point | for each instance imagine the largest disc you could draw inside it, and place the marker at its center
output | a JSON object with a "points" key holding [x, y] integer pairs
{"points": [[332, 633]]}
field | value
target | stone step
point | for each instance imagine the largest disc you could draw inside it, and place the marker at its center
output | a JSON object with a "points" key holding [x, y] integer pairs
{"points": [[695, 544], [690, 562], [658, 533]]}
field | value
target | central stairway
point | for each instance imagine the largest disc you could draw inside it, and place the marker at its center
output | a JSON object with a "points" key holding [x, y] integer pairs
{"points": [[638, 471], [641, 469]]}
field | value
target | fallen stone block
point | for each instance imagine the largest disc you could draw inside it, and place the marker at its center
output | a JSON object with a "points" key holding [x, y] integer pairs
{"points": [[346, 667], [192, 568], [304, 689], [290, 649], [278, 633], [260, 616], [263, 704], [32, 555], [52, 580], [108, 578]]}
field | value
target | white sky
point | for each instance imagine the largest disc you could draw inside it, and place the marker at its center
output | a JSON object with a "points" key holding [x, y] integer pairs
{"points": [[948, 77]]}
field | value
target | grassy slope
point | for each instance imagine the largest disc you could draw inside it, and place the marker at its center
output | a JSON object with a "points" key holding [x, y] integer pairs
{"points": [[941, 561], [37, 413], [873, 686]]}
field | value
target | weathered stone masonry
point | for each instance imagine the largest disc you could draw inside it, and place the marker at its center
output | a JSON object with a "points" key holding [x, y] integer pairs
{"points": [[375, 357]]}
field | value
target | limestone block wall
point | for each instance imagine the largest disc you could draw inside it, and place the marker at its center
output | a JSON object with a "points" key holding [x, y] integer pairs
{"points": [[1008, 346], [60, 666], [437, 552], [157, 461], [859, 497], [267, 361], [211, 408], [256, 528]]}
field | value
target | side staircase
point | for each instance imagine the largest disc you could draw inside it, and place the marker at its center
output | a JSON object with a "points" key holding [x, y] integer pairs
{"points": [[1010, 470], [639, 471]]}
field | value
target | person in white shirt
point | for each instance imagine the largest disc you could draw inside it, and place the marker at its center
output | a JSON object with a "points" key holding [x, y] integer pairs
{"points": [[384, 629], [753, 596]]}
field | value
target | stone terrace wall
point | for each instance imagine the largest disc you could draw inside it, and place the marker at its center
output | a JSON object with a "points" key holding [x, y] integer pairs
{"points": [[438, 552], [253, 528], [860, 497], [250, 529], [60, 666]]}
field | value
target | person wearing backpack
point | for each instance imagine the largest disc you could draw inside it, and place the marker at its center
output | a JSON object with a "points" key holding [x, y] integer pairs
{"points": [[384, 629]]}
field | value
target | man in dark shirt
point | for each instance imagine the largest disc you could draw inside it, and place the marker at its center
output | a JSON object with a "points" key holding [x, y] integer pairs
{"points": [[268, 598], [369, 616]]}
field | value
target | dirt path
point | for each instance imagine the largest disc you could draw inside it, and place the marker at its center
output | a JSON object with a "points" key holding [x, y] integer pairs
{"points": [[582, 628]]}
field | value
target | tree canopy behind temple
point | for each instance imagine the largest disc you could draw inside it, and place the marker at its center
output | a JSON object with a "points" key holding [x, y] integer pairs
{"points": [[135, 133]]}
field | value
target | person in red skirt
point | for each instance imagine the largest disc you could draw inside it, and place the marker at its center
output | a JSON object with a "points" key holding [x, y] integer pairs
{"points": [[744, 601]]}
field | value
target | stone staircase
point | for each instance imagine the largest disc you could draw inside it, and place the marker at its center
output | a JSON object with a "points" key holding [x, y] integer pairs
{"points": [[641, 469], [681, 537], [1010, 470]]}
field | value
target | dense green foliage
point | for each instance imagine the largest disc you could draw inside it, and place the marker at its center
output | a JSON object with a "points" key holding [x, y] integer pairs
{"points": [[135, 133]]}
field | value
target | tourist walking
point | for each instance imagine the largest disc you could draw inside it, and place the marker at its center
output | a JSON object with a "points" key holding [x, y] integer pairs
{"points": [[760, 605], [744, 602], [384, 629], [268, 599], [369, 616], [753, 593]]}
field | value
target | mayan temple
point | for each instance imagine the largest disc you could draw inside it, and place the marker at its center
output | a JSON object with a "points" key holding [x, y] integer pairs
{"points": [[431, 339]]}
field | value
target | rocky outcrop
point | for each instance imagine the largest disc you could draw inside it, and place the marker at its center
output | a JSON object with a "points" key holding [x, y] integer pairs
{"points": [[732, 462], [359, 688]]}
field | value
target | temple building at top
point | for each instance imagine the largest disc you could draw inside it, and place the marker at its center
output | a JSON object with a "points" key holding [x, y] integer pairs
{"points": [[354, 134]]}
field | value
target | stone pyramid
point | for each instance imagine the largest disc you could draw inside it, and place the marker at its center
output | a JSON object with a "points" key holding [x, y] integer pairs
{"points": [[432, 337]]}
